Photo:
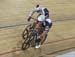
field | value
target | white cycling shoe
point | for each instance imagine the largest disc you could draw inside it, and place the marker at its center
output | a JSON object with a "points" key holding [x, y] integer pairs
{"points": [[37, 46]]}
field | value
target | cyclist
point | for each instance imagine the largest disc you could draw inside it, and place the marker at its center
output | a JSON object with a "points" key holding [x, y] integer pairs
{"points": [[43, 18], [47, 24], [39, 9]]}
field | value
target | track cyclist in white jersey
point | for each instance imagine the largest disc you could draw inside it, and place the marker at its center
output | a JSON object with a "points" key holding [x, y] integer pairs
{"points": [[42, 18]]}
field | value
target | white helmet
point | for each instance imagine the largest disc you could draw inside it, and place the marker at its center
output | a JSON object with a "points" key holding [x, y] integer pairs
{"points": [[41, 18]]}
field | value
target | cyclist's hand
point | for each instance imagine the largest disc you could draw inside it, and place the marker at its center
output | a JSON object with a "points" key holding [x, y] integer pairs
{"points": [[29, 18]]}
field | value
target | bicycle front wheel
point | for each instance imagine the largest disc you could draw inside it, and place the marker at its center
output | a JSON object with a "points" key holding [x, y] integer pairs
{"points": [[26, 44]]}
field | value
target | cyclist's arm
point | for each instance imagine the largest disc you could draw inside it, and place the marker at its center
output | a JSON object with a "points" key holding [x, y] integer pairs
{"points": [[31, 13]]}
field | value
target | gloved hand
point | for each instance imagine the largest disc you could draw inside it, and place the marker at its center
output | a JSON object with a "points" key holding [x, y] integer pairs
{"points": [[29, 18]]}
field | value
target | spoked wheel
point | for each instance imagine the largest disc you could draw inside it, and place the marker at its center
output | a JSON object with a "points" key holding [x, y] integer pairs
{"points": [[25, 32], [30, 41], [33, 39], [25, 45]]}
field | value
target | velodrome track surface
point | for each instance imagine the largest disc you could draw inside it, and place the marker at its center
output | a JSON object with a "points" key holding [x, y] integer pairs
{"points": [[61, 37], [52, 46]]}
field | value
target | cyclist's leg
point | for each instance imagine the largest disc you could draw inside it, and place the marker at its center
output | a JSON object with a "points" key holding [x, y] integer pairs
{"points": [[36, 21], [46, 12], [43, 36], [38, 27], [34, 24], [45, 32]]}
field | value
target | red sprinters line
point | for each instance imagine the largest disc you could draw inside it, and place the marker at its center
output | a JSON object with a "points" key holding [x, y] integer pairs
{"points": [[10, 51]]}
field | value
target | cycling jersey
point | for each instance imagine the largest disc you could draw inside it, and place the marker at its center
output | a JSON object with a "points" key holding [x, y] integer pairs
{"points": [[47, 24], [41, 10]]}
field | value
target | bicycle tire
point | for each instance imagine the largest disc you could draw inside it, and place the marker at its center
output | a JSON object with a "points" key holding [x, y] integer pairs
{"points": [[25, 32], [25, 45], [30, 41], [33, 37], [33, 40]]}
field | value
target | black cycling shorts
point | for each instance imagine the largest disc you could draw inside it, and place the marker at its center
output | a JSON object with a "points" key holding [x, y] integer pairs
{"points": [[46, 12]]}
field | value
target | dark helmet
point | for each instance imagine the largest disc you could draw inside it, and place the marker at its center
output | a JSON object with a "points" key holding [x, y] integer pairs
{"points": [[37, 5]]}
